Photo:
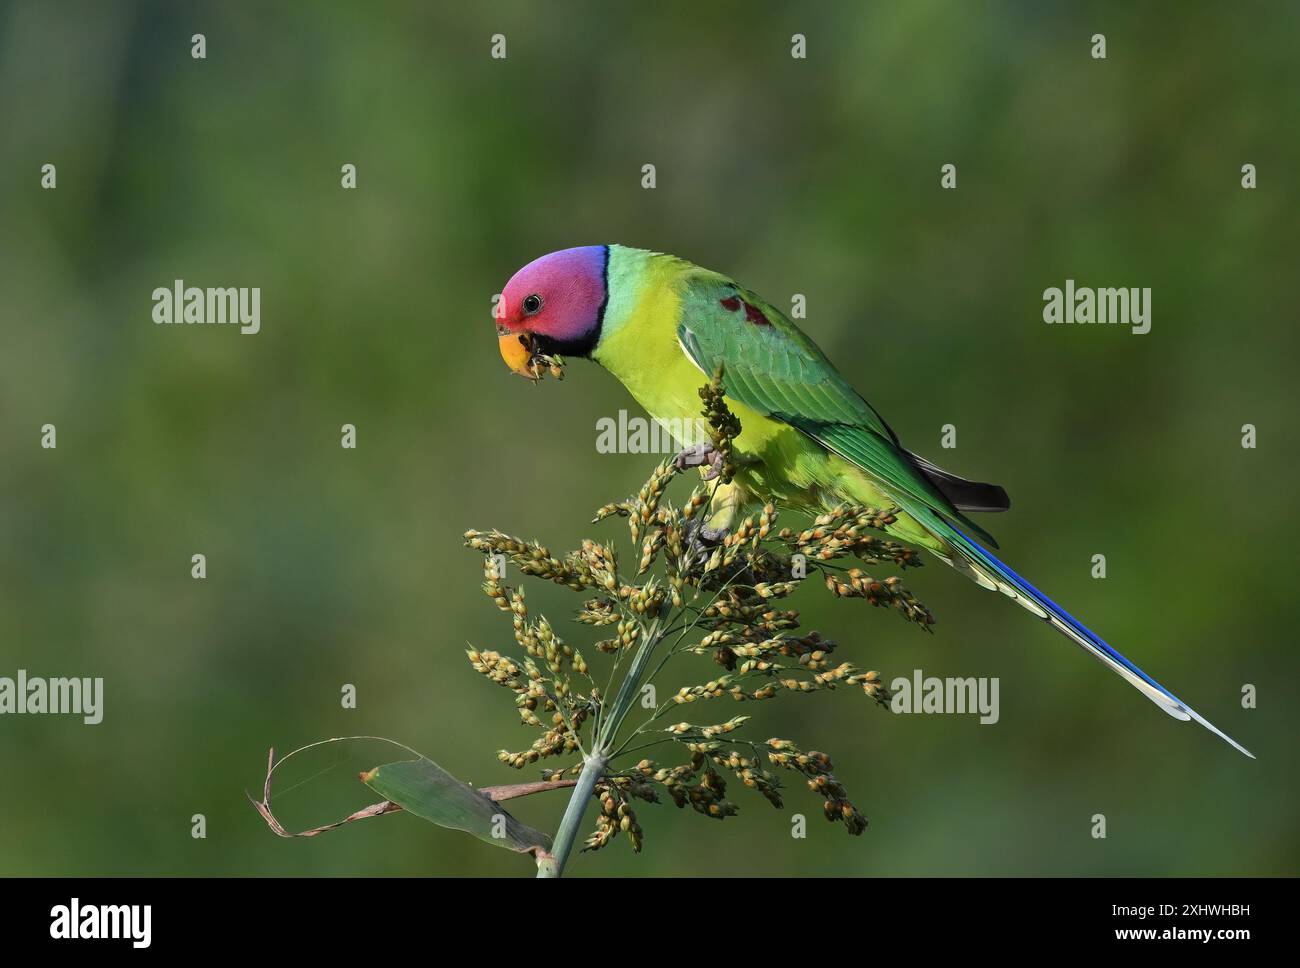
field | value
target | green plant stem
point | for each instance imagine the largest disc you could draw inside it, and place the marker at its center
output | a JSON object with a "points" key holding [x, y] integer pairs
{"points": [[593, 765], [627, 688], [593, 768]]}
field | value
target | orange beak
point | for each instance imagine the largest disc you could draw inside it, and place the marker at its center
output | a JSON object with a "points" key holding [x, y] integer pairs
{"points": [[517, 350]]}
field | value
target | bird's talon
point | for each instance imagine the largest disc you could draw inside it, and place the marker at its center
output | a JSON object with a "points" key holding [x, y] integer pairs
{"points": [[696, 456], [702, 538]]}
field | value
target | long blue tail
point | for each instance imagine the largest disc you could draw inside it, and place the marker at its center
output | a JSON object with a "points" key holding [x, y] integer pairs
{"points": [[991, 572]]}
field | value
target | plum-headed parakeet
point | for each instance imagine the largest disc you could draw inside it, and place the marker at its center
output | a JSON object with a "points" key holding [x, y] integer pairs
{"points": [[808, 440]]}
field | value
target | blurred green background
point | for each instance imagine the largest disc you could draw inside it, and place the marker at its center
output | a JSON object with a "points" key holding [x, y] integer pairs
{"points": [[818, 176]]}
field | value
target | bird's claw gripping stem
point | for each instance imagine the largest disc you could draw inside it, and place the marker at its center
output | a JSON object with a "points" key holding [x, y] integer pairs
{"points": [[698, 456], [699, 535]]}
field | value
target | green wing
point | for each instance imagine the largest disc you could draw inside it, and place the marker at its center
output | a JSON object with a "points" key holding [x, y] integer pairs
{"points": [[772, 367]]}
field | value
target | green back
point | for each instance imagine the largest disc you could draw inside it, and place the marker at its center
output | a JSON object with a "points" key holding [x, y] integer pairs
{"points": [[774, 368]]}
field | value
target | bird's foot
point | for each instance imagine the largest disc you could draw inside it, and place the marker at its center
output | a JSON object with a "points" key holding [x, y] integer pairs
{"points": [[712, 536], [702, 539], [698, 456]]}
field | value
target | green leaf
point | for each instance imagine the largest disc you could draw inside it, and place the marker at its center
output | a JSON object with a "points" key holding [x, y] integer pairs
{"points": [[425, 789]]}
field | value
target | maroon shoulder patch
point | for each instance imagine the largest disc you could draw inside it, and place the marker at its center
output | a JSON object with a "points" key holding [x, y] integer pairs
{"points": [[756, 316], [752, 315]]}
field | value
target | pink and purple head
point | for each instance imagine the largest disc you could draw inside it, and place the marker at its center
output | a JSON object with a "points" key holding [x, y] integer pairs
{"points": [[553, 305]]}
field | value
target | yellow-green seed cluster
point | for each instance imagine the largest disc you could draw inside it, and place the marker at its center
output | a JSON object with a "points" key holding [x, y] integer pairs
{"points": [[616, 815], [729, 601], [724, 428], [816, 768], [890, 591]]}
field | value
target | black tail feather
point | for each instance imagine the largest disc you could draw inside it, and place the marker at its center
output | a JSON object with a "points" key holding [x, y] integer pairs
{"points": [[965, 495]]}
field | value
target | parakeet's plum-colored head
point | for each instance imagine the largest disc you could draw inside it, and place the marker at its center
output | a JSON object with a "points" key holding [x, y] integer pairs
{"points": [[553, 305]]}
